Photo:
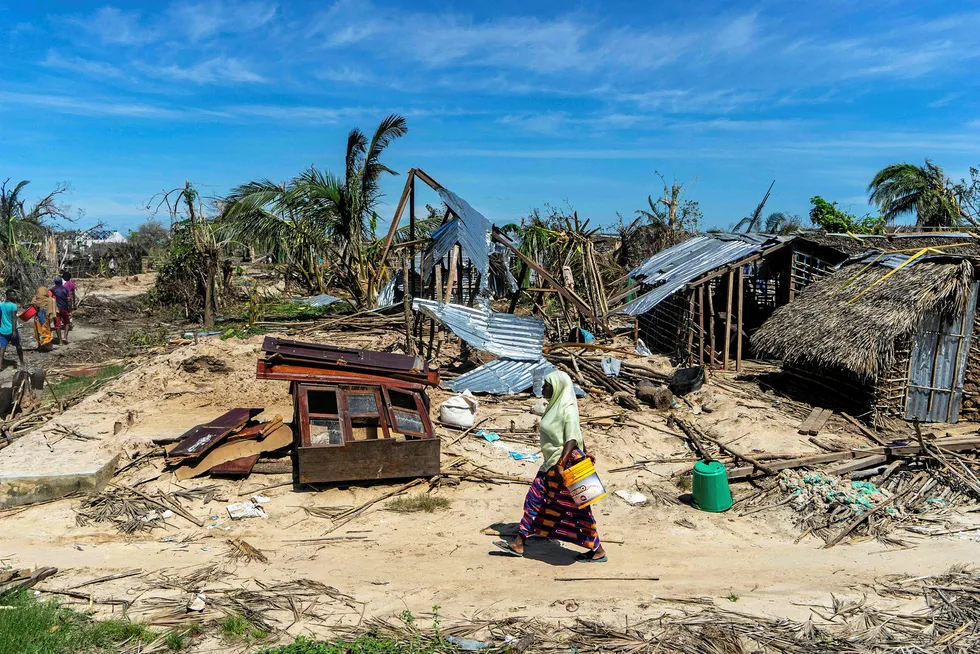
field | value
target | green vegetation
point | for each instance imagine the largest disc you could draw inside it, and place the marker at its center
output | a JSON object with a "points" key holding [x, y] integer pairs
{"points": [[827, 216], [362, 645], [926, 191], [69, 387], [732, 597], [237, 628], [419, 502], [30, 626], [319, 221], [669, 215]]}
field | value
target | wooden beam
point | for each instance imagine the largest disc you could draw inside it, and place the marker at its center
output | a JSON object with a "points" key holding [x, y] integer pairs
{"points": [[425, 177], [738, 332], [453, 259], [728, 317], [571, 296], [710, 324], [517, 294], [701, 325], [690, 331], [398, 215], [411, 232]]}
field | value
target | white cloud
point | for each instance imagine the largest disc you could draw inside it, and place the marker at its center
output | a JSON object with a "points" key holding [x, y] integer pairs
{"points": [[344, 74], [77, 64], [204, 20], [945, 100], [80, 107], [116, 27], [217, 70]]}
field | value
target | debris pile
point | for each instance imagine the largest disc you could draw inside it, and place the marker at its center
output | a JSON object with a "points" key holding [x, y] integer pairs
{"points": [[229, 445]]}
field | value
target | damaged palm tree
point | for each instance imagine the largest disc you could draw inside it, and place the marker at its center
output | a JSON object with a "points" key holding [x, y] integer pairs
{"points": [[319, 217]]}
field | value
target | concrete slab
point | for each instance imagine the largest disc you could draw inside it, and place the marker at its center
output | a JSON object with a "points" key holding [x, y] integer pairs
{"points": [[31, 471]]}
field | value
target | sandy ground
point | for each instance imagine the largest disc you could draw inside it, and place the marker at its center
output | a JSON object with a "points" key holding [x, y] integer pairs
{"points": [[417, 561]]}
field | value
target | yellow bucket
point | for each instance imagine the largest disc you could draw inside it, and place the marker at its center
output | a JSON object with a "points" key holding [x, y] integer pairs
{"points": [[583, 483]]}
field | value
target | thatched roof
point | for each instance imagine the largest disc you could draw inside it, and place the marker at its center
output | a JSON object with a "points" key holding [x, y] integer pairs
{"points": [[827, 327], [853, 245]]}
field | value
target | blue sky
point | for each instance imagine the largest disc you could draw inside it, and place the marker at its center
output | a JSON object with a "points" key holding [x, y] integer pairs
{"points": [[509, 104]]}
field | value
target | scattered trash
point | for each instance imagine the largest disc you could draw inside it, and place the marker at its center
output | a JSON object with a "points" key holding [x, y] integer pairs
{"points": [[197, 604], [323, 300], [521, 456], [632, 498], [459, 410], [157, 515], [489, 436], [539, 407], [687, 380], [642, 349], [611, 366], [259, 499], [468, 645], [241, 510]]}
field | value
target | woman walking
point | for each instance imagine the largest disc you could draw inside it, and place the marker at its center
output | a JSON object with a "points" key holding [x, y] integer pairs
{"points": [[44, 304], [549, 510]]}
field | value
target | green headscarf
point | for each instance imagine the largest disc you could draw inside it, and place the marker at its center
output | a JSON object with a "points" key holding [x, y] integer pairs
{"points": [[559, 424]]}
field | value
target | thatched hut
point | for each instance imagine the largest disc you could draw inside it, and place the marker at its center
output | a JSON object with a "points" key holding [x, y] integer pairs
{"points": [[890, 334]]}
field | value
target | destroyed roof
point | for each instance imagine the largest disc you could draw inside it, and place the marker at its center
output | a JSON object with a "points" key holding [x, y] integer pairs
{"points": [[469, 228], [500, 377], [503, 334], [851, 319], [854, 244], [672, 269]]}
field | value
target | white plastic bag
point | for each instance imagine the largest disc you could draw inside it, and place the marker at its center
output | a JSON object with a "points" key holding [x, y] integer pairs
{"points": [[459, 410]]}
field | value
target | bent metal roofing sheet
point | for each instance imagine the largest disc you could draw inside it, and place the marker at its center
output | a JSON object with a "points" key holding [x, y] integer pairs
{"points": [[672, 269]]}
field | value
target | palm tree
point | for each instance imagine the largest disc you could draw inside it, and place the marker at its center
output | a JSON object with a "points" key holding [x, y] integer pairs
{"points": [[777, 222], [905, 188], [321, 216]]}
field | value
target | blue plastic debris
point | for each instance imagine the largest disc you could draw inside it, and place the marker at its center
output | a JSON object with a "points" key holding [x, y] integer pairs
{"points": [[489, 436], [520, 456]]}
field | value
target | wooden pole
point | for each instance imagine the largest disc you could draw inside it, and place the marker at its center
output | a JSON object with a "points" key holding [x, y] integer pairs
{"points": [[437, 269], [728, 317], [453, 258], [690, 331], [459, 275], [517, 294], [701, 325], [407, 302], [411, 231], [398, 215], [738, 334], [710, 320]]}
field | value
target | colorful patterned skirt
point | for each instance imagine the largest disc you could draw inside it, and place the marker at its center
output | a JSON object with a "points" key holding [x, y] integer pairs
{"points": [[550, 512]]}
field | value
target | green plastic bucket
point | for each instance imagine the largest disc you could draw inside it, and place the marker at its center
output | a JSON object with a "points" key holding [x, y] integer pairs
{"points": [[710, 487]]}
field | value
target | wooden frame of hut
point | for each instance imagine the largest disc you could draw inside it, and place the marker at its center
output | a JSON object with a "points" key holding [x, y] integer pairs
{"points": [[701, 300], [890, 335]]}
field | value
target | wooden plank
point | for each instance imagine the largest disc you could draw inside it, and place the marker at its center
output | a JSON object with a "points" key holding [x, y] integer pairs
{"points": [[282, 437], [864, 430], [808, 423], [820, 422], [517, 294], [237, 468], [728, 317], [402, 201], [202, 438], [368, 460], [738, 332], [861, 463], [453, 260]]}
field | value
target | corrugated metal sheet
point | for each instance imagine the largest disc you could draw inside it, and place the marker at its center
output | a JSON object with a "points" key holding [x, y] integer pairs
{"points": [[469, 228], [503, 334], [500, 377], [317, 300], [670, 270], [895, 260], [938, 367]]}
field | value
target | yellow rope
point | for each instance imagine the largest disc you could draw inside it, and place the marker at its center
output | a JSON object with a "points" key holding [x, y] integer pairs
{"points": [[890, 273], [920, 251]]}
